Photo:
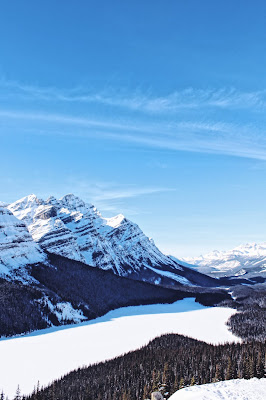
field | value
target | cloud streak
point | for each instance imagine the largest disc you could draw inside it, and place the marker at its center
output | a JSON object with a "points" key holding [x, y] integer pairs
{"points": [[111, 196], [113, 190], [205, 137], [190, 98], [204, 127]]}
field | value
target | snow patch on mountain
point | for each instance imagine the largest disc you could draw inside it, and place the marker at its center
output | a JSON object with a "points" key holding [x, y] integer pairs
{"points": [[171, 275], [64, 311], [236, 389]]}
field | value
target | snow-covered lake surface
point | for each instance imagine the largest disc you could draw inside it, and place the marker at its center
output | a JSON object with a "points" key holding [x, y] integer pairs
{"points": [[237, 389], [48, 354]]}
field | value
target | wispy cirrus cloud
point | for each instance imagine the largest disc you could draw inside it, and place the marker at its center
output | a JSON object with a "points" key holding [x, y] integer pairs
{"points": [[109, 196], [189, 98], [215, 137], [157, 124]]}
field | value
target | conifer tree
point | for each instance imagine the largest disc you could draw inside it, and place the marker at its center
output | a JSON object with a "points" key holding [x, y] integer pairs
{"points": [[259, 371], [229, 370], [18, 394], [246, 369], [181, 383], [192, 382], [166, 377], [155, 381], [176, 384], [146, 392], [218, 375]]}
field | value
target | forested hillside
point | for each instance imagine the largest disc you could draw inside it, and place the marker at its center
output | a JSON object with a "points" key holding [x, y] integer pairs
{"points": [[250, 322], [169, 362]]}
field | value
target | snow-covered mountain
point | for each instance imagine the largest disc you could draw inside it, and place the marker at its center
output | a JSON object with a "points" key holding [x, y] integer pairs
{"points": [[17, 248], [245, 260], [76, 230]]}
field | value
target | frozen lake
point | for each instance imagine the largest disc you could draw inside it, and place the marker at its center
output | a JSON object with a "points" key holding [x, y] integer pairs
{"points": [[48, 354]]}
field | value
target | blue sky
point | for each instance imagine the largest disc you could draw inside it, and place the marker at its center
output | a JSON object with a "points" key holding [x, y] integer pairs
{"points": [[155, 109]]}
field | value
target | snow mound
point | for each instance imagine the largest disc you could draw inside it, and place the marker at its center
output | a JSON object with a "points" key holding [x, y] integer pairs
{"points": [[236, 389]]}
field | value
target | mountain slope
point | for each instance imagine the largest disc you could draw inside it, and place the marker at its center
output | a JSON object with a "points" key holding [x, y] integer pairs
{"points": [[63, 291], [246, 260], [76, 230], [17, 248]]}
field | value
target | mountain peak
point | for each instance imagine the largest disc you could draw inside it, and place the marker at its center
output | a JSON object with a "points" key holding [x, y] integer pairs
{"points": [[72, 202], [31, 198], [25, 208], [116, 221]]}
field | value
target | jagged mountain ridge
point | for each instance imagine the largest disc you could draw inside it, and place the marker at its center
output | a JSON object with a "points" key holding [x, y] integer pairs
{"points": [[246, 260], [76, 230]]}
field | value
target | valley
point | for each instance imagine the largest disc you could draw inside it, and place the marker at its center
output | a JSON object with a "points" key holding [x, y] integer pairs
{"points": [[69, 347]]}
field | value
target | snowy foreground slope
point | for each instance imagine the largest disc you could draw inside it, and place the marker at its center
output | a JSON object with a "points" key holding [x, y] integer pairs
{"points": [[246, 259], [236, 389], [46, 355]]}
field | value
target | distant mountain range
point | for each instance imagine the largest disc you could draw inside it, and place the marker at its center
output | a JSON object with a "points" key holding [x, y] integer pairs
{"points": [[244, 261]]}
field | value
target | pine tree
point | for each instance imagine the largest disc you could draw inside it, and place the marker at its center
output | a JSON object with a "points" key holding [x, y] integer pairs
{"points": [[166, 377], [246, 369], [176, 384], [18, 395], [155, 381], [192, 382], [218, 375], [124, 396], [252, 367], [146, 392], [259, 370], [181, 383], [229, 370]]}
